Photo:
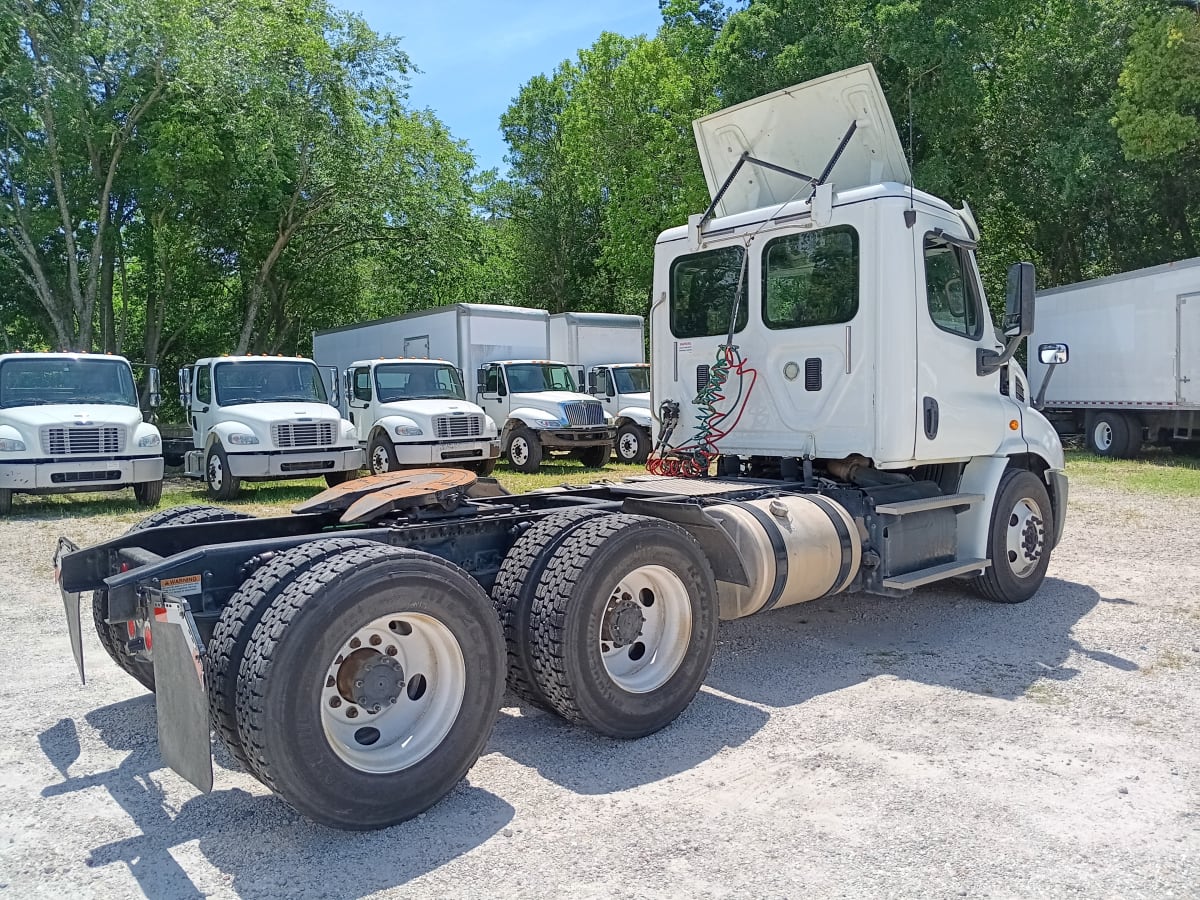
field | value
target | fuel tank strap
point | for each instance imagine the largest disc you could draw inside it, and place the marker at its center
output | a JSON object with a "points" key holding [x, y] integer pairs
{"points": [[839, 524], [777, 546]]}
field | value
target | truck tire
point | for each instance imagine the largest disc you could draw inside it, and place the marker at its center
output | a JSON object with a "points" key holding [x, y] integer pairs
{"points": [[512, 594], [333, 479], [381, 454], [1108, 434], [524, 450], [633, 444], [596, 457], [148, 493], [241, 614], [6, 502], [220, 481], [362, 705], [485, 467], [1018, 539], [624, 624], [112, 637]]}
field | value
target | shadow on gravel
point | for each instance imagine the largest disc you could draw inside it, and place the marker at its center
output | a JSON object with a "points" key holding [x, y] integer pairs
{"points": [[588, 763], [263, 848], [937, 637]]}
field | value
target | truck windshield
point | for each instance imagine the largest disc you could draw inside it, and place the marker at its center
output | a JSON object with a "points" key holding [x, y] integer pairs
{"points": [[529, 378], [634, 380], [418, 381], [267, 381], [37, 382]]}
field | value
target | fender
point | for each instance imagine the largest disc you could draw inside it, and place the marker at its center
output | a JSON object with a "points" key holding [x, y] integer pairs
{"points": [[636, 414], [388, 424], [220, 433], [145, 429]]}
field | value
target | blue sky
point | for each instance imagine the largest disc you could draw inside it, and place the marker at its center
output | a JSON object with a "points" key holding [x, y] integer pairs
{"points": [[474, 55]]}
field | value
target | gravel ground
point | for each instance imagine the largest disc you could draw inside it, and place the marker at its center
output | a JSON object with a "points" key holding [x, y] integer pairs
{"points": [[928, 747]]}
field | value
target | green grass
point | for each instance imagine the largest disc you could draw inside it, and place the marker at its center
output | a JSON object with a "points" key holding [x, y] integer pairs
{"points": [[1156, 472]]}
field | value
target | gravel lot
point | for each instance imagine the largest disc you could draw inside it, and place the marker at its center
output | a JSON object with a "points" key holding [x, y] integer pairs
{"points": [[929, 747]]}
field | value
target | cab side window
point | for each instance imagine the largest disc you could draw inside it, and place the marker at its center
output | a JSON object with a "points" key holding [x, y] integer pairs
{"points": [[362, 384], [950, 289], [204, 384], [495, 382]]}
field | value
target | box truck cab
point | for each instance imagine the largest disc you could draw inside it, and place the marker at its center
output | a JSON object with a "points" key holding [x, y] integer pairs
{"points": [[414, 412], [70, 422], [624, 389], [543, 412], [264, 418]]}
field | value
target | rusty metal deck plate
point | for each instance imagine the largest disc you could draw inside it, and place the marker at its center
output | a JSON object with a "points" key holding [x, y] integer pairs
{"points": [[363, 499]]}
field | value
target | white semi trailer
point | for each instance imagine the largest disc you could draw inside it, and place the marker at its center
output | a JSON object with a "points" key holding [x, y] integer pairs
{"points": [[71, 422], [609, 350], [1135, 359], [822, 341], [257, 418]]}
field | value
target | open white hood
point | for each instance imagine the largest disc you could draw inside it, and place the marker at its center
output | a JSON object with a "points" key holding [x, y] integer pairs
{"points": [[800, 128]]}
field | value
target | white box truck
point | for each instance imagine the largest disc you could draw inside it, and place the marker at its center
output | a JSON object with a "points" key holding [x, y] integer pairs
{"points": [[1134, 344], [260, 418], [504, 352], [407, 410], [70, 422], [609, 351]]}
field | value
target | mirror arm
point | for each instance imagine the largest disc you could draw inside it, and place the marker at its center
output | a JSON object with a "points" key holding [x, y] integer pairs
{"points": [[989, 361], [1041, 394]]}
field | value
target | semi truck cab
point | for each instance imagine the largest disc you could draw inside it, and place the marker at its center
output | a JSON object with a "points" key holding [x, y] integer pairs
{"points": [[414, 412], [264, 417], [543, 412]]}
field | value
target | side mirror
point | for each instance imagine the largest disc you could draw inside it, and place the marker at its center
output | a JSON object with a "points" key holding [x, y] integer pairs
{"points": [[1018, 307], [591, 382], [154, 385], [334, 381], [579, 380], [185, 388], [1053, 354], [348, 384], [480, 380]]}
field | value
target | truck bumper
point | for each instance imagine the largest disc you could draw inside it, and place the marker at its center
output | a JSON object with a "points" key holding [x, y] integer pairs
{"points": [[79, 474], [295, 465], [577, 438], [439, 454]]}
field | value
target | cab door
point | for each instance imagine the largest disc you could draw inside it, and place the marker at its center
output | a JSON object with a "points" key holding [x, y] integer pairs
{"points": [[358, 400], [960, 414], [203, 405], [494, 396]]}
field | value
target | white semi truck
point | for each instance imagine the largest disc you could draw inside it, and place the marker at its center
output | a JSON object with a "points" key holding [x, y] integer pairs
{"points": [[257, 418], [609, 351], [820, 337], [503, 351], [71, 422], [1135, 359], [407, 410]]}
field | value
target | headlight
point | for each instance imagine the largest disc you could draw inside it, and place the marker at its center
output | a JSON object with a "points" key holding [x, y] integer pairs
{"points": [[407, 430], [148, 440], [489, 425], [348, 431], [8, 445], [242, 439], [548, 423]]}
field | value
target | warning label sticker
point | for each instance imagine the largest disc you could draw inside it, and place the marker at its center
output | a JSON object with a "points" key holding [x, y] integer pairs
{"points": [[181, 586]]}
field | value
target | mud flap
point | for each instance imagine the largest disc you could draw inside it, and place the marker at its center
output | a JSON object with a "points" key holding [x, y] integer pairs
{"points": [[70, 604], [180, 693]]}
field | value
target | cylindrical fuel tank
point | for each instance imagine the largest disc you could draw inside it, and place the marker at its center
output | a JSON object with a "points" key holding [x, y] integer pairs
{"points": [[795, 548]]}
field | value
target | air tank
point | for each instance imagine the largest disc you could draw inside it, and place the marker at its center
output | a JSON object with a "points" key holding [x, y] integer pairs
{"points": [[795, 548]]}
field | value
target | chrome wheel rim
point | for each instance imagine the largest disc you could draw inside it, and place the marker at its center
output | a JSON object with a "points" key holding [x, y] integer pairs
{"points": [[1026, 537], [393, 692], [645, 629]]}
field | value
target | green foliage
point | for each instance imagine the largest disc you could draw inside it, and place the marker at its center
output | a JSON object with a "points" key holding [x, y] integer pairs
{"points": [[1158, 115]]}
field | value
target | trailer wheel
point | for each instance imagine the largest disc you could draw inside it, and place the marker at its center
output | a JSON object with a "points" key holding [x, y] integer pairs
{"points": [[370, 686], [6, 502], [381, 454], [624, 624], [633, 444], [221, 483], [148, 493], [1018, 539], [512, 594], [112, 637], [524, 450], [241, 614], [1110, 434], [596, 457]]}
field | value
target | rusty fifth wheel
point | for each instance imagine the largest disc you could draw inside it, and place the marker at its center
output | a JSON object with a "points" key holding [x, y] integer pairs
{"points": [[623, 624], [370, 685]]}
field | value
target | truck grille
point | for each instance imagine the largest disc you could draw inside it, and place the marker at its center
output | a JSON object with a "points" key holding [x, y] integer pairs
{"points": [[584, 412], [458, 426], [302, 434], [82, 439]]}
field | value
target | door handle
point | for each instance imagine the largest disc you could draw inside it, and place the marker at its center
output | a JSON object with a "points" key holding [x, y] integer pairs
{"points": [[931, 418]]}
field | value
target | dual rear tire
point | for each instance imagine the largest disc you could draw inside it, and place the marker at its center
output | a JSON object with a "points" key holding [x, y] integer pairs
{"points": [[1113, 435]]}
